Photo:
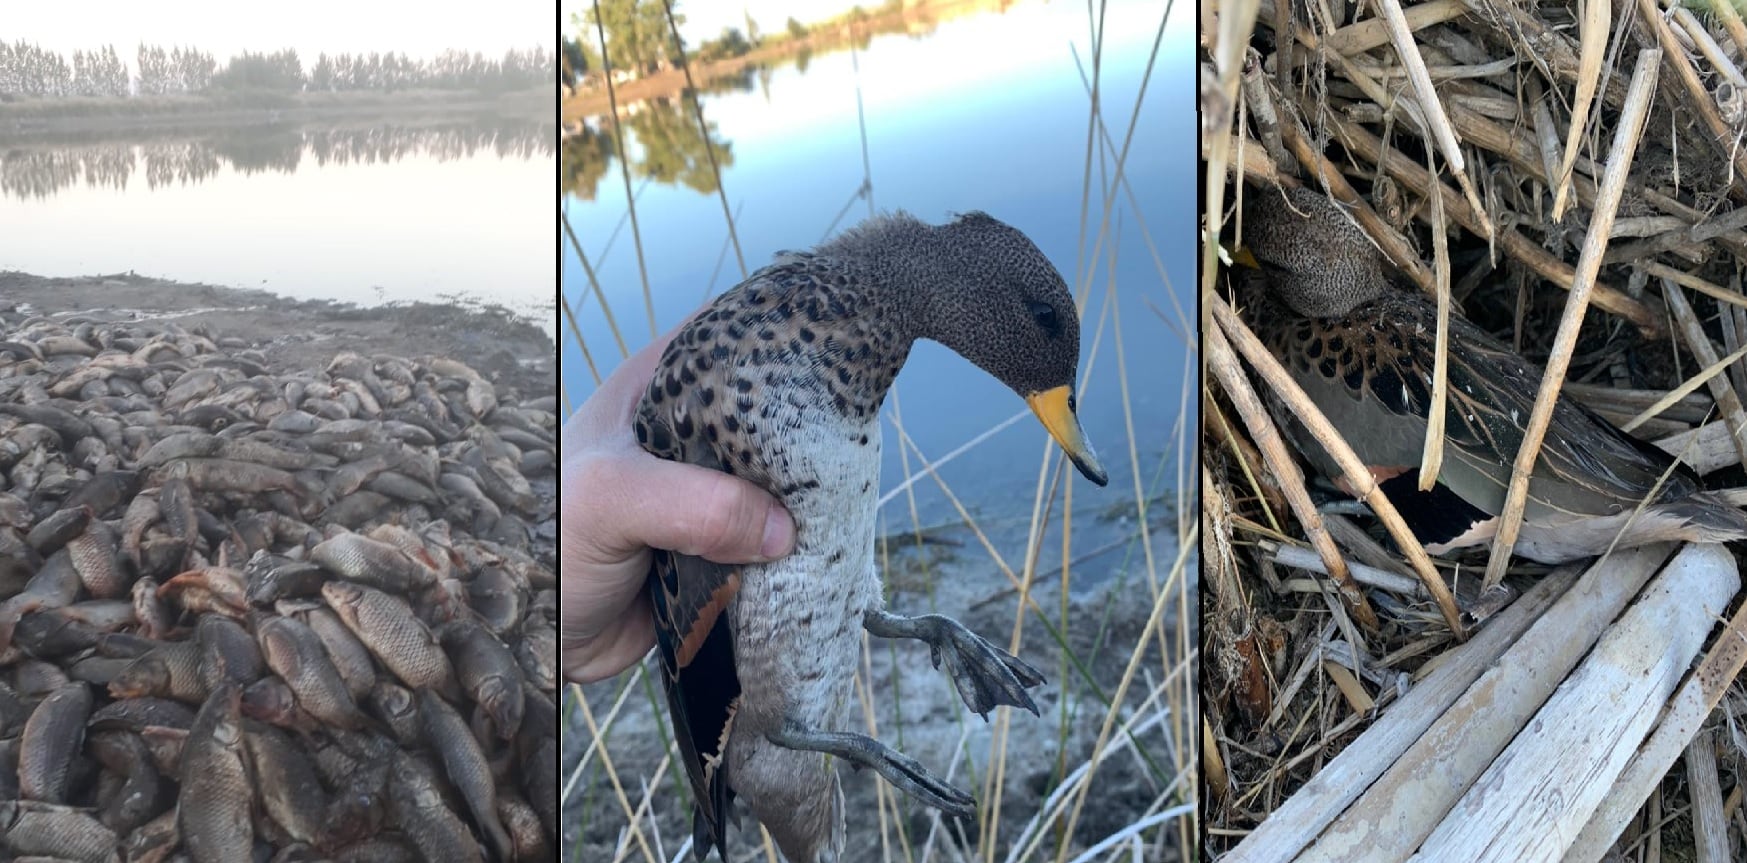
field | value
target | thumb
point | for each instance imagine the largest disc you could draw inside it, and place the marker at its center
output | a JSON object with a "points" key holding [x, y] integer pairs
{"points": [[702, 512]]}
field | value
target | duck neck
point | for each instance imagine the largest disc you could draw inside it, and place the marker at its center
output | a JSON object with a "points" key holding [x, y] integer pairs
{"points": [[890, 261], [899, 260]]}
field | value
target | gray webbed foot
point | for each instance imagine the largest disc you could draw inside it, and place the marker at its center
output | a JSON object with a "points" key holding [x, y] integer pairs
{"points": [[903, 772], [986, 675]]}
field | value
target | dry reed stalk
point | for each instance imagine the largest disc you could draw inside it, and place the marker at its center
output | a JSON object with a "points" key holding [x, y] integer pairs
{"points": [[1728, 401], [1222, 364], [1592, 40], [1433, 457], [1710, 830], [1431, 108], [1357, 476], [1625, 145]]}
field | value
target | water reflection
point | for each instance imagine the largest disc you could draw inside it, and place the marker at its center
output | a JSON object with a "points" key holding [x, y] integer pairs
{"points": [[42, 170], [670, 149]]}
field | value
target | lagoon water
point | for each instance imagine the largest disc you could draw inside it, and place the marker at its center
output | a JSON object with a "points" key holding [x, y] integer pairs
{"points": [[364, 211], [986, 112]]}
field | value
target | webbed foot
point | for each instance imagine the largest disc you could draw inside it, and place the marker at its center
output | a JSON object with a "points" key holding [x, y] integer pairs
{"points": [[986, 675]]}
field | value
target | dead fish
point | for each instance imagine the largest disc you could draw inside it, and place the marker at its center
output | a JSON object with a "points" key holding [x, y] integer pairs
{"points": [[296, 654], [537, 653], [213, 807], [209, 588], [154, 621], [154, 841], [497, 598], [28, 827], [428, 821], [239, 477], [50, 534], [176, 508], [395, 705], [465, 763], [171, 671], [387, 626], [52, 738], [524, 828], [104, 492], [291, 793], [351, 658], [488, 672], [271, 577], [93, 553], [271, 701], [143, 793], [133, 714], [377, 564], [47, 634], [227, 653]]}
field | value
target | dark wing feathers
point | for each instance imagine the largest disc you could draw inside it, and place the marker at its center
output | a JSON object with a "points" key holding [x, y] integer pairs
{"points": [[690, 596], [1380, 353]]}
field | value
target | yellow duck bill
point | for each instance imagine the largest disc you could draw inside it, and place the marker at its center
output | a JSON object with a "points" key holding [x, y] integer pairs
{"points": [[1055, 409]]}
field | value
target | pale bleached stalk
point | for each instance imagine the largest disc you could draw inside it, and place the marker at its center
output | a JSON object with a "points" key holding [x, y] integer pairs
{"points": [[1613, 182], [1596, 18]]}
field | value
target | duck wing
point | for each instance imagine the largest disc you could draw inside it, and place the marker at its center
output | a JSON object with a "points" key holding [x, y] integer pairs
{"points": [[689, 596], [1371, 373]]}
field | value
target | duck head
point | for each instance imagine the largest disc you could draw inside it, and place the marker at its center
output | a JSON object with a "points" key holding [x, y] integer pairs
{"points": [[996, 300]]}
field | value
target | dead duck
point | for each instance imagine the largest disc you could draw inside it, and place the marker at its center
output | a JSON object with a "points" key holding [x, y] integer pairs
{"points": [[780, 381], [1318, 294]]}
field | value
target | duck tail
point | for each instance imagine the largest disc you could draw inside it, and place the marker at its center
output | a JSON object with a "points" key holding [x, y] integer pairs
{"points": [[1713, 516]]}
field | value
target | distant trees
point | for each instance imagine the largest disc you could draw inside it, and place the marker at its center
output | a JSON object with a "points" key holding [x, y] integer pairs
{"points": [[730, 44], [29, 71], [797, 29], [638, 36], [99, 73], [278, 72], [178, 70]]}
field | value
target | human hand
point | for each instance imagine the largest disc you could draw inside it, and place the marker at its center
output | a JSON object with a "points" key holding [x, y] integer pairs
{"points": [[619, 502]]}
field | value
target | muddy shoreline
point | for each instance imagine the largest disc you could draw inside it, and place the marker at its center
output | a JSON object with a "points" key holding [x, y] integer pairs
{"points": [[296, 333]]}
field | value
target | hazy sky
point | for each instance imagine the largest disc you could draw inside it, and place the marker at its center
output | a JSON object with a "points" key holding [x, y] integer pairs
{"points": [[225, 28]]}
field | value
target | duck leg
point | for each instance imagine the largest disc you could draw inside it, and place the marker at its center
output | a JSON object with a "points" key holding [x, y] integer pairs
{"points": [[986, 675], [903, 772]]}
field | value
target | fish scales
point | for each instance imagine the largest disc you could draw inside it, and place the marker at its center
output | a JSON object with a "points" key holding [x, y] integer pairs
{"points": [[163, 493], [213, 809]]}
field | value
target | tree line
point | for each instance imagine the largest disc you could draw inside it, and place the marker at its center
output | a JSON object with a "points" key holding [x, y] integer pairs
{"points": [[640, 39], [28, 71]]}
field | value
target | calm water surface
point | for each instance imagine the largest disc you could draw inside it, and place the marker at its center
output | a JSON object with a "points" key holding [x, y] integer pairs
{"points": [[984, 113], [364, 212]]}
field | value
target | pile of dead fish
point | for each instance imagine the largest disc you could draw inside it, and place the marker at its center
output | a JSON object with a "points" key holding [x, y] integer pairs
{"points": [[249, 616]]}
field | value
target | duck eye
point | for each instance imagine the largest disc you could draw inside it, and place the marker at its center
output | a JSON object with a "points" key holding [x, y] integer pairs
{"points": [[1044, 314]]}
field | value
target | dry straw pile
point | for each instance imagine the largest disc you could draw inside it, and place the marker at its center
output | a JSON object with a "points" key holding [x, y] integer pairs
{"points": [[1572, 176]]}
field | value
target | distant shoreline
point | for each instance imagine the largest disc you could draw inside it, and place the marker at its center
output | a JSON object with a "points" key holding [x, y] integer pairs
{"points": [[824, 38], [63, 116]]}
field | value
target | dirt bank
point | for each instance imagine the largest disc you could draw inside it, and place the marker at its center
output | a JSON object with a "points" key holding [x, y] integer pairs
{"points": [[297, 333]]}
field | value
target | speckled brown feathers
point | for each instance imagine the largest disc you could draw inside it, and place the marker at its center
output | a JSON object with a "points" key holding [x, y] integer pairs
{"points": [[1362, 349]]}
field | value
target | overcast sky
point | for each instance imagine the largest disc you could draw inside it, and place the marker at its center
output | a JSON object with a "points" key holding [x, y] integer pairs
{"points": [[225, 28]]}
